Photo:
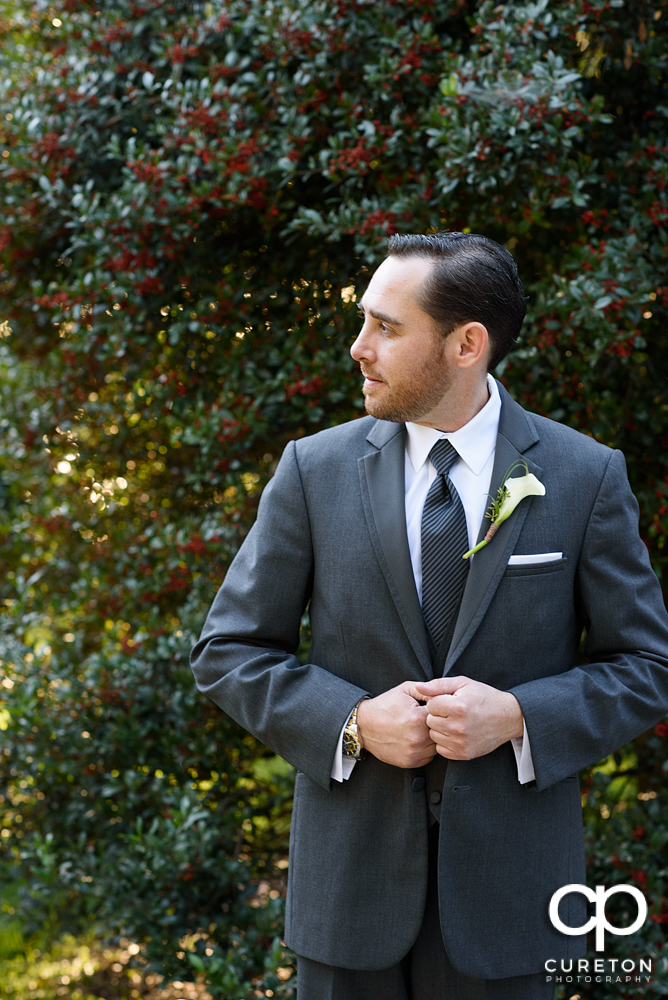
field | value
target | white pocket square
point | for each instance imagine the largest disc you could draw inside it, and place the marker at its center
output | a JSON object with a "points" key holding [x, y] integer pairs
{"points": [[538, 557]]}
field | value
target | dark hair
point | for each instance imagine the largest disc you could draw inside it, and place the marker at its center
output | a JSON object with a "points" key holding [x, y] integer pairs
{"points": [[475, 280]]}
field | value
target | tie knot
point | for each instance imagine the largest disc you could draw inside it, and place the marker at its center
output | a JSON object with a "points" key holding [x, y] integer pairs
{"points": [[443, 456]]}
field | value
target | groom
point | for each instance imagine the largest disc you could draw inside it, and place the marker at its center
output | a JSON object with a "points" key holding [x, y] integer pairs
{"points": [[440, 722]]}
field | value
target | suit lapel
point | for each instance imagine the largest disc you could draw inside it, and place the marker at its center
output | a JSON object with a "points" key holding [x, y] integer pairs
{"points": [[383, 492], [516, 435]]}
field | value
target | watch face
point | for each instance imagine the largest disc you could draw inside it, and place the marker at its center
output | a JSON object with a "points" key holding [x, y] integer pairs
{"points": [[351, 745]]}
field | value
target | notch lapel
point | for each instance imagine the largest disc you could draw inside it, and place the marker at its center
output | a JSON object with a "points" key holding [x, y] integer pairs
{"points": [[382, 481], [516, 435]]}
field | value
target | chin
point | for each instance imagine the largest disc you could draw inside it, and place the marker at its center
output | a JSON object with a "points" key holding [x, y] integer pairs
{"points": [[373, 407], [383, 411]]}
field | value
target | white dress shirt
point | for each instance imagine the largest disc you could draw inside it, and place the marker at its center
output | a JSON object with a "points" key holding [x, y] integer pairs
{"points": [[471, 476]]}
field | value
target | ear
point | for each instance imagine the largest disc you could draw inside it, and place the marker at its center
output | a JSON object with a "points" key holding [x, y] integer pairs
{"points": [[470, 345]]}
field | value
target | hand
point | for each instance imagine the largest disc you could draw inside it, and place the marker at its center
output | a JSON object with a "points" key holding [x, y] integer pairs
{"points": [[393, 727], [467, 719]]}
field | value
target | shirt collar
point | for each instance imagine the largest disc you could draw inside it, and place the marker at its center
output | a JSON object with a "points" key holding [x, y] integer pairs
{"points": [[474, 442]]}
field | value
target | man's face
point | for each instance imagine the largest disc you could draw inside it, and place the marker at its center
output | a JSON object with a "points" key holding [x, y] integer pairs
{"points": [[400, 353]]}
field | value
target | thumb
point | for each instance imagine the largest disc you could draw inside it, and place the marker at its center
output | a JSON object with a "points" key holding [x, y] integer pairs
{"points": [[439, 685]]}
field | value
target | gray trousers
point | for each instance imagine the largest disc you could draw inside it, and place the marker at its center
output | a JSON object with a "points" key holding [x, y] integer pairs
{"points": [[424, 974]]}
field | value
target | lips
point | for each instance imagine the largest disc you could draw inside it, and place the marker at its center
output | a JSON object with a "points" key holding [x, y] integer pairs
{"points": [[370, 384]]}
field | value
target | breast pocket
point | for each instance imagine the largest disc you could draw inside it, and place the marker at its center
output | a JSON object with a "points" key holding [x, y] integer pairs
{"points": [[536, 569]]}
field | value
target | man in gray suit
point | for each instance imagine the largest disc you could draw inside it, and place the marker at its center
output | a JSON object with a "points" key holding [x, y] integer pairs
{"points": [[439, 725]]}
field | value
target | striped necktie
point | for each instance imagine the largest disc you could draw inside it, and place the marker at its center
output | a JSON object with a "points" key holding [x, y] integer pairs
{"points": [[444, 541]]}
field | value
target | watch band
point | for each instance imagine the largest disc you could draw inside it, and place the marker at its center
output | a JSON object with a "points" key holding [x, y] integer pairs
{"points": [[352, 746]]}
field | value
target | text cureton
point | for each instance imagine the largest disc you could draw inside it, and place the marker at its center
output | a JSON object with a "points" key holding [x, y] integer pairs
{"points": [[584, 965]]}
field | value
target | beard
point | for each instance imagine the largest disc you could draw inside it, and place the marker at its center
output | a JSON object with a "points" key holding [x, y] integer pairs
{"points": [[413, 392]]}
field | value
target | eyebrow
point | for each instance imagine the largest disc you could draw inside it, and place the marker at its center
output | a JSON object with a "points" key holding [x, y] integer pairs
{"points": [[383, 317]]}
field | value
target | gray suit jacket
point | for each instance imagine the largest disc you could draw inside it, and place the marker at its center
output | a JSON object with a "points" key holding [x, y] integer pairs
{"points": [[331, 530]]}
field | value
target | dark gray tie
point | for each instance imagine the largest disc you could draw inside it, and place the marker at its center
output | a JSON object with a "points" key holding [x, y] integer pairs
{"points": [[444, 542]]}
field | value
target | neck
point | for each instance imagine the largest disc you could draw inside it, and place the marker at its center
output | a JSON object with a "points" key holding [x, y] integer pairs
{"points": [[459, 405]]}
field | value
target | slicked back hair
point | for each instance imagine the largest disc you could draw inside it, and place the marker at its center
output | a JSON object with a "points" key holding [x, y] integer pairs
{"points": [[474, 279]]}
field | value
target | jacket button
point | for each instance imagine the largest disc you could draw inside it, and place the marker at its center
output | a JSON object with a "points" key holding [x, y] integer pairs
{"points": [[418, 784], [435, 797]]}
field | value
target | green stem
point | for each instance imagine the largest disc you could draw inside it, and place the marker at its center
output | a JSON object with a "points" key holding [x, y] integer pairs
{"points": [[474, 550]]}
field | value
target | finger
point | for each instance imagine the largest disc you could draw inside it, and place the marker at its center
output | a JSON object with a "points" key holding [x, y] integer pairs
{"points": [[447, 740], [443, 724], [449, 753], [456, 743], [454, 749], [439, 685], [444, 706], [412, 690]]}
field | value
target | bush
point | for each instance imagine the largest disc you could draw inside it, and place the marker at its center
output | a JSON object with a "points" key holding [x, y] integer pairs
{"points": [[192, 193]]}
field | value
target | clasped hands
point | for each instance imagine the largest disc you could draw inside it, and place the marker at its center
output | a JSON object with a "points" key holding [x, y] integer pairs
{"points": [[461, 719]]}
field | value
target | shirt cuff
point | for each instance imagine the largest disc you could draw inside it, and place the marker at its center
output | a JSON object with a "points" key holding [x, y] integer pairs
{"points": [[343, 766], [523, 758]]}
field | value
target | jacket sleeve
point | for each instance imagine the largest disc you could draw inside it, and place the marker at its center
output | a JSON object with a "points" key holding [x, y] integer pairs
{"points": [[576, 718], [244, 659]]}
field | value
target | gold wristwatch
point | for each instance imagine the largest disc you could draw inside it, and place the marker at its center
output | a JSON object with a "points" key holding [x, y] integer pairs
{"points": [[351, 741]]}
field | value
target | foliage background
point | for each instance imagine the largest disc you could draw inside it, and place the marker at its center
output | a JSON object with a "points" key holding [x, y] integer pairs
{"points": [[191, 194]]}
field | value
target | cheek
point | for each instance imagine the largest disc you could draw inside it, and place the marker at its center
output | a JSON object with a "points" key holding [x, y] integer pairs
{"points": [[408, 364], [400, 358]]}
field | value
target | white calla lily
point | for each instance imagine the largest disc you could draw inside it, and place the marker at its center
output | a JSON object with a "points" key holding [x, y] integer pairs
{"points": [[517, 489], [511, 492]]}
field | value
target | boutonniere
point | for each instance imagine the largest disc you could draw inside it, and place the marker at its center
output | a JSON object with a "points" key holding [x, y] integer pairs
{"points": [[510, 492]]}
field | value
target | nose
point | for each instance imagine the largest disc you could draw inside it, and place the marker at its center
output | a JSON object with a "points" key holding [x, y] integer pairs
{"points": [[362, 349]]}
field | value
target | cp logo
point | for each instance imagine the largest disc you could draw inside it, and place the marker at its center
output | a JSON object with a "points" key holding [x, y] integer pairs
{"points": [[599, 920]]}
